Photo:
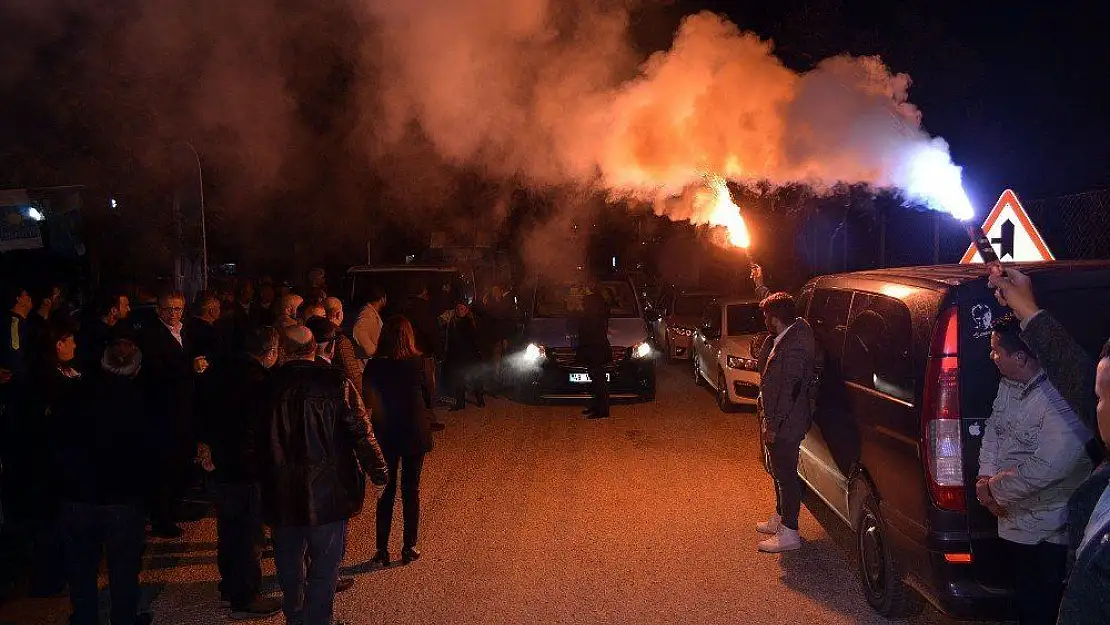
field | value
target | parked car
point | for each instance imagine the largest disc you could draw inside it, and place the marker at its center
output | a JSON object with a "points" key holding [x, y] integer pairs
{"points": [[905, 385], [546, 364], [676, 317], [724, 349]]}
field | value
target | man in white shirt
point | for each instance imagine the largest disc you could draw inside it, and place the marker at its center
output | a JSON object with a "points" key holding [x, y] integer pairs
{"points": [[1032, 459], [1087, 596], [368, 326]]}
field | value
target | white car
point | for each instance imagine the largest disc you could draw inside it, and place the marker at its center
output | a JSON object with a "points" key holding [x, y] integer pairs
{"points": [[725, 348], [677, 315]]}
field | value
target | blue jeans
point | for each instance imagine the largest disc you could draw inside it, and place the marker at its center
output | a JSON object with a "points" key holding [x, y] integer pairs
{"points": [[309, 598], [89, 530]]}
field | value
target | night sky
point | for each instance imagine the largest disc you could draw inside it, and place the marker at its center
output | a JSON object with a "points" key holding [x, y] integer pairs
{"points": [[1018, 89]]}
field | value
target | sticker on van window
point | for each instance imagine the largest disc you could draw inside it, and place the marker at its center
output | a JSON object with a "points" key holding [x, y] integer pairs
{"points": [[981, 318]]}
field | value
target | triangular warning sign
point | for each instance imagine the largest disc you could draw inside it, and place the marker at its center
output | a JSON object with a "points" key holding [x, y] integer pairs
{"points": [[1012, 233]]}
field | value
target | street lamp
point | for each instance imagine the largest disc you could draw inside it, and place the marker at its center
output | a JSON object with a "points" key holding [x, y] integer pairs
{"points": [[203, 227]]}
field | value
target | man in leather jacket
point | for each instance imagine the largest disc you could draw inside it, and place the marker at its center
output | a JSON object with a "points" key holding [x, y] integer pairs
{"points": [[314, 449]]}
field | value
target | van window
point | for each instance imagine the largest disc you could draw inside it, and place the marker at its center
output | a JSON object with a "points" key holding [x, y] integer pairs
{"points": [[828, 314], [877, 351], [712, 320]]}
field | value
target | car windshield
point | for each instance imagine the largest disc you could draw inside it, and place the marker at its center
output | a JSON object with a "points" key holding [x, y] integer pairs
{"points": [[745, 319], [691, 305], [565, 300]]}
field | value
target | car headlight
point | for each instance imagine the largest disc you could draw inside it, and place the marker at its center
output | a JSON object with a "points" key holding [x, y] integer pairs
{"points": [[642, 350], [737, 362], [534, 353]]}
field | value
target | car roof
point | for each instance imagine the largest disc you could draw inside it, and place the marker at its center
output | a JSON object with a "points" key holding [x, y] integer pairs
{"points": [[385, 268], [943, 277]]}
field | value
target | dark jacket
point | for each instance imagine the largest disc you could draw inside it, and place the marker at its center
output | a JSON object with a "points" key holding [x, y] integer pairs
{"points": [[425, 325], [593, 331], [463, 347], [310, 447], [1087, 598], [238, 407], [167, 377], [787, 380], [93, 339], [53, 401], [402, 422], [103, 450], [13, 345], [206, 339]]}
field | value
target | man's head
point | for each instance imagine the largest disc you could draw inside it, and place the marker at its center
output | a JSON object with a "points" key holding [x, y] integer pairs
{"points": [[462, 308], [290, 303], [317, 278], [209, 307], [19, 300], [298, 343], [114, 307], [63, 344], [313, 311], [779, 311], [1102, 390], [266, 293], [49, 299], [244, 291], [171, 307], [377, 297], [333, 308], [263, 344], [1010, 354]]}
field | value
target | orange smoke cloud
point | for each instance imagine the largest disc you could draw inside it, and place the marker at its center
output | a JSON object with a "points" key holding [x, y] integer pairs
{"points": [[549, 93]]}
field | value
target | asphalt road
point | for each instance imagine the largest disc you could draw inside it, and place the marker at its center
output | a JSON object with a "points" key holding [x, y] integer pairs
{"points": [[536, 515]]}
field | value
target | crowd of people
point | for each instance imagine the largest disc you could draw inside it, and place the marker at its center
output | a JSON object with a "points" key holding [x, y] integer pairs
{"points": [[120, 422], [1048, 428]]}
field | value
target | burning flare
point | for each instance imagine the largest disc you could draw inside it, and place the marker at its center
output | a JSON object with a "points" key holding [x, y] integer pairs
{"points": [[715, 203]]}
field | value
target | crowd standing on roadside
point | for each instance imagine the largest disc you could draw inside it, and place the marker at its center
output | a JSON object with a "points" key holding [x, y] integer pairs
{"points": [[123, 422]]}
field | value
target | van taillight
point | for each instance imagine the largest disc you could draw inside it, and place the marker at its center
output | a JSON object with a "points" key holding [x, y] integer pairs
{"points": [[940, 416]]}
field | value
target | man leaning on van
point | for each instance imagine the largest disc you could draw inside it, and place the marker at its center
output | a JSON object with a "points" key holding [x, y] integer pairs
{"points": [[1031, 460]]}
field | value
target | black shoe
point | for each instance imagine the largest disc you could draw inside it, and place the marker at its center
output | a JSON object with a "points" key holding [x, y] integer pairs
{"points": [[438, 427], [381, 558], [259, 608], [586, 412], [598, 415], [169, 531], [408, 554], [344, 583]]}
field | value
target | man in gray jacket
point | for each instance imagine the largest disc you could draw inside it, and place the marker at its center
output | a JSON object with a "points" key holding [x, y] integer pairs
{"points": [[786, 362], [1031, 461]]}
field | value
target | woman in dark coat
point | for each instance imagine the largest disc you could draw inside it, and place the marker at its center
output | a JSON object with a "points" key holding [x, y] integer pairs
{"points": [[402, 423], [57, 395], [462, 361]]}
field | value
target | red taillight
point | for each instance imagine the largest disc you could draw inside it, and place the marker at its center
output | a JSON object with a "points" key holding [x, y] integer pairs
{"points": [[940, 416]]}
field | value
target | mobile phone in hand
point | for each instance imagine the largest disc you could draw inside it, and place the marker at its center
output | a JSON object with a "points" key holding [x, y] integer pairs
{"points": [[986, 250]]}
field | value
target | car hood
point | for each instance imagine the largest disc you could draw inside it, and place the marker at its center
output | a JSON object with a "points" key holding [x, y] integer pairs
{"points": [[561, 331], [742, 345]]}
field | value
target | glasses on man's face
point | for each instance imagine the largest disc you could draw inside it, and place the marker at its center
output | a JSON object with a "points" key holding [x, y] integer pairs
{"points": [[173, 309]]}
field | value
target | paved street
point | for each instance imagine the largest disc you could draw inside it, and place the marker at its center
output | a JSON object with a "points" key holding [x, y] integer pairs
{"points": [[536, 515]]}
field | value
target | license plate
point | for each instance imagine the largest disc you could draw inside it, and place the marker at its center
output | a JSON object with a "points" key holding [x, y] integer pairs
{"points": [[584, 378]]}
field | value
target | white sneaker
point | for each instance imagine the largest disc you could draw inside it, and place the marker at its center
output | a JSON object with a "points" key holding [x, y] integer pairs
{"points": [[770, 526], [785, 540]]}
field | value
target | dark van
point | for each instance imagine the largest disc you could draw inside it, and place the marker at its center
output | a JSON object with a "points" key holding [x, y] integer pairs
{"points": [[905, 385]]}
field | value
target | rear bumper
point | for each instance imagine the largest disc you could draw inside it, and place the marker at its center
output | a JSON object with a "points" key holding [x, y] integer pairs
{"points": [[630, 379], [953, 588]]}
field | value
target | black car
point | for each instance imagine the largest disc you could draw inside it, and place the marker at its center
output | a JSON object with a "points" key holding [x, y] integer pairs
{"points": [[905, 385]]}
